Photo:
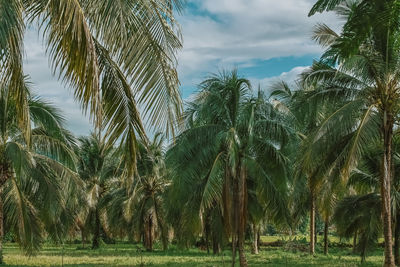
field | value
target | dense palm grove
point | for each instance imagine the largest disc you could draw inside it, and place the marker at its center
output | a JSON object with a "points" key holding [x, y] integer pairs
{"points": [[220, 168]]}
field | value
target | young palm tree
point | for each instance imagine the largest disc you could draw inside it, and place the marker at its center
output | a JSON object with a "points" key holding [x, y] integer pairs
{"points": [[97, 167], [140, 206], [114, 54], [232, 138], [367, 76], [34, 170], [359, 215]]}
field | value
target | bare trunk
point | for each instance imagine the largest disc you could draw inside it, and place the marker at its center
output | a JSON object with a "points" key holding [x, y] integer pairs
{"points": [[235, 221], [207, 235], [234, 244], [315, 230], [326, 228], [5, 174], [83, 238], [254, 248], [385, 181], [96, 234], [355, 242], [242, 216], [216, 245], [312, 222], [242, 255], [149, 245]]}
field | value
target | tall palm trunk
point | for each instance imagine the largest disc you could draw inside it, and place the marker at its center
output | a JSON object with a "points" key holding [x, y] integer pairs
{"points": [[216, 245], [150, 234], [5, 174], [235, 222], [207, 234], [326, 229], [83, 238], [254, 248], [242, 216], [312, 221], [96, 234], [355, 241], [385, 181]]}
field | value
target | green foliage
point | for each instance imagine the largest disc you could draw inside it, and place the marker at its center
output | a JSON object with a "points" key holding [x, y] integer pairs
{"points": [[359, 215], [37, 171]]}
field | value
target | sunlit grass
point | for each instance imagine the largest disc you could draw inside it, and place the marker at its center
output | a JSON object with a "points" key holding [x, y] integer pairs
{"points": [[130, 255]]}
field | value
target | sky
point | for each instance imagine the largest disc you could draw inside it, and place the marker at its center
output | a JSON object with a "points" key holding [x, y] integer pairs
{"points": [[266, 40]]}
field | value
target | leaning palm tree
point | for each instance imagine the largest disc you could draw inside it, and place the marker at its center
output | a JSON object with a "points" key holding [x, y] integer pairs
{"points": [[34, 171], [114, 54], [232, 139], [361, 67]]}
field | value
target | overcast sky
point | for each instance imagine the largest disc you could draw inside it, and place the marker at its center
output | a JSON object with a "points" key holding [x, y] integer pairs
{"points": [[266, 40]]}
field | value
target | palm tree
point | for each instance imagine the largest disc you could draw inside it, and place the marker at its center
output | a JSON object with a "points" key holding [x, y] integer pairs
{"points": [[140, 206], [321, 187], [359, 215], [114, 54], [34, 171], [367, 76], [97, 167], [232, 138]]}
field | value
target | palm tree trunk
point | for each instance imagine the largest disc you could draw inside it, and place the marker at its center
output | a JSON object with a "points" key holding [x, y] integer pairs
{"points": [[83, 238], [234, 245], [312, 222], [315, 230], [5, 174], [151, 234], [216, 245], [326, 229], [254, 248], [235, 222], [355, 242], [385, 181], [206, 233], [96, 234], [242, 216]]}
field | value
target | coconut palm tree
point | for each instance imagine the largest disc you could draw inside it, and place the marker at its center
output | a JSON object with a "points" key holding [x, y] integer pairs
{"points": [[361, 65], [140, 206], [232, 138], [359, 215], [97, 167], [34, 170], [114, 54], [321, 187]]}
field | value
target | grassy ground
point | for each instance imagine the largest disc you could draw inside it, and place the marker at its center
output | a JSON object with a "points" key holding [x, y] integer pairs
{"points": [[128, 255]]}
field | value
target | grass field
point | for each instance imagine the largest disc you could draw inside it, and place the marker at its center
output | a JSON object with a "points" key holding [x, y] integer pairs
{"points": [[130, 255]]}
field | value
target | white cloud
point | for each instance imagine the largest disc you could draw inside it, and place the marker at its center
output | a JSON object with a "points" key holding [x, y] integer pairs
{"points": [[289, 77], [227, 33]]}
